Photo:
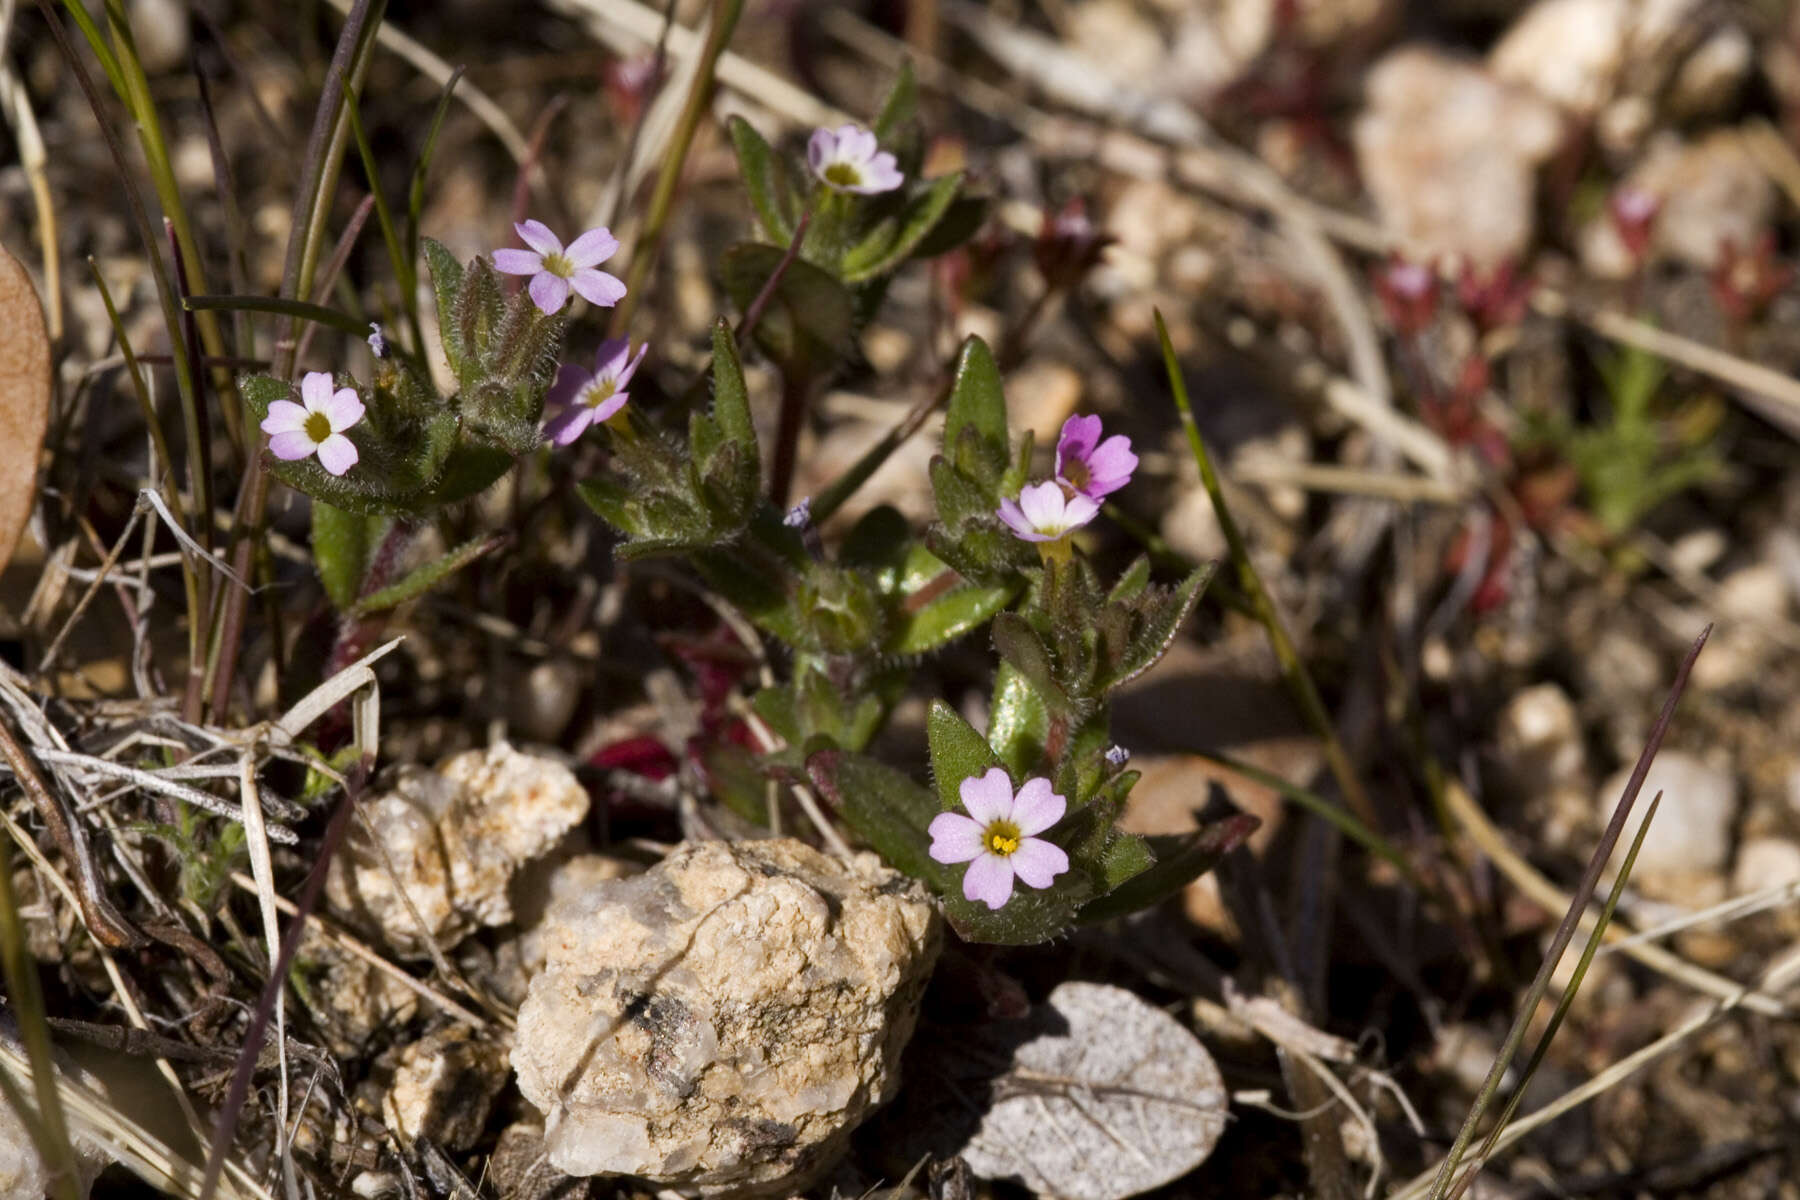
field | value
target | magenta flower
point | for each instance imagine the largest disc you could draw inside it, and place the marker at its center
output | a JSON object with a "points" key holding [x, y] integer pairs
{"points": [[1089, 466], [587, 397], [554, 270], [296, 431], [1045, 513], [851, 160], [996, 840]]}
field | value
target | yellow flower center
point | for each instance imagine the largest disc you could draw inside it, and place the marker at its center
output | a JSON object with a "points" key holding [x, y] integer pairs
{"points": [[599, 392], [317, 426], [1002, 838], [559, 264], [1075, 472], [843, 174]]}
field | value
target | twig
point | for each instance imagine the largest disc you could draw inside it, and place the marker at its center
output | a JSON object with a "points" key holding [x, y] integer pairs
{"points": [[103, 920]]}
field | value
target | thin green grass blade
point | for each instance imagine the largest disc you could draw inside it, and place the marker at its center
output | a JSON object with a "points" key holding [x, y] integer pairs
{"points": [[49, 1127], [1596, 939], [384, 217], [415, 202], [298, 309]]}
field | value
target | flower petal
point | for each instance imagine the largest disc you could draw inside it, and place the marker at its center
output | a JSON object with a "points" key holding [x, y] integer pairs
{"points": [[609, 359], [821, 149], [337, 454], [284, 417], [1037, 806], [1079, 511], [1110, 466], [537, 235], [989, 880], [1077, 440], [1014, 518], [315, 390], [630, 368], [1043, 506], [569, 424], [856, 144], [597, 287], [609, 407], [880, 174], [988, 797], [1038, 862], [954, 838], [549, 292], [292, 444], [570, 379], [344, 409], [592, 248], [518, 262]]}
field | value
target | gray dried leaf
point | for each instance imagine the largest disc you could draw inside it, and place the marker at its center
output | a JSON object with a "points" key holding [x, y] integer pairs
{"points": [[1107, 1098], [24, 398]]}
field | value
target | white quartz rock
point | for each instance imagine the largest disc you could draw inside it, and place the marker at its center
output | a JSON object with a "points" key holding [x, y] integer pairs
{"points": [[449, 841], [722, 1022], [1450, 155]]}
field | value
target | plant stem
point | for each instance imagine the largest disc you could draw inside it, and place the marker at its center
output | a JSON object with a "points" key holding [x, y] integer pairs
{"points": [[643, 255], [1293, 671]]}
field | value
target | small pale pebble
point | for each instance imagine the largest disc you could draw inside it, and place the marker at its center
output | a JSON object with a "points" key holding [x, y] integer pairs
{"points": [[1692, 831], [1765, 862], [1540, 736]]}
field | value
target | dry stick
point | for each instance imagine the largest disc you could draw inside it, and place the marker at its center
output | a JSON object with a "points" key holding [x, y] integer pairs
{"points": [[649, 242], [1584, 892], [225, 1129], [104, 921], [324, 155]]}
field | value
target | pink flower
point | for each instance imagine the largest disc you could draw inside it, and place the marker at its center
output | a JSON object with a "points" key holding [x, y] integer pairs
{"points": [[587, 397], [996, 840], [318, 427], [1045, 513], [1089, 466], [851, 160], [554, 270]]}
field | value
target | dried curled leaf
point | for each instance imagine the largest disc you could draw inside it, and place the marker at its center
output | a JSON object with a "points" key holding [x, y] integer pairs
{"points": [[1105, 1098], [24, 398]]}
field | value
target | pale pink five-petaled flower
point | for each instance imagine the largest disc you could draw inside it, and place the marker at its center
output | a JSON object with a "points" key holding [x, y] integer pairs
{"points": [[554, 269], [1045, 513], [1088, 466], [850, 159], [996, 838], [317, 426], [590, 397]]}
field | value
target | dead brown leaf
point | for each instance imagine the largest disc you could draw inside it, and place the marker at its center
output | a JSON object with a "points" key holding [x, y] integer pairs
{"points": [[24, 398]]}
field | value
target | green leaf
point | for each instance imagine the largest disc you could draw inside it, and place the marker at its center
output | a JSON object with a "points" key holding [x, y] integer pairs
{"points": [[1019, 724], [879, 542], [1179, 860], [342, 543], [424, 578], [958, 611], [446, 285], [960, 222], [809, 323], [885, 808], [1019, 644], [763, 180], [731, 399], [977, 403], [957, 752], [1162, 620], [1132, 583], [890, 245], [901, 102]]}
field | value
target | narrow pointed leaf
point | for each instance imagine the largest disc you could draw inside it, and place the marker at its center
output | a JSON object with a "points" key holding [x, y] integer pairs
{"points": [[957, 752], [1178, 861], [763, 182], [976, 402], [427, 576]]}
